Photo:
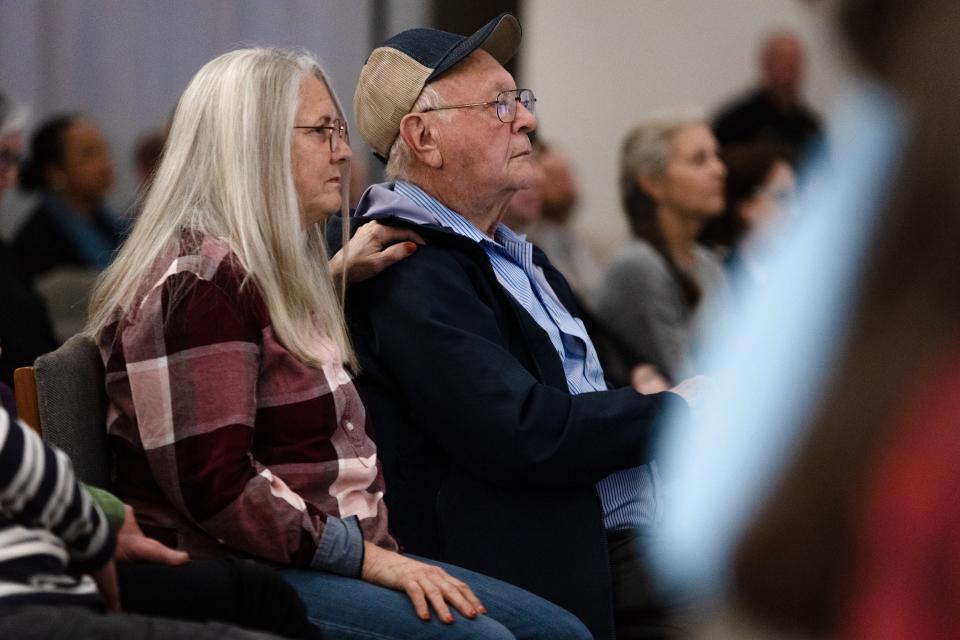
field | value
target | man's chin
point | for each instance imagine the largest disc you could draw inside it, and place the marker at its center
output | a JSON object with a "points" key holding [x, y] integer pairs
{"points": [[523, 176]]}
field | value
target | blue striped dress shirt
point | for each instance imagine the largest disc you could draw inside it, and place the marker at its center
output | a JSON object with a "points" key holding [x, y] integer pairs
{"points": [[630, 497]]}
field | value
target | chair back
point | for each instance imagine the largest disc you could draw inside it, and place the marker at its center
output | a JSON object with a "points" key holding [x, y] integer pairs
{"points": [[25, 392], [72, 404]]}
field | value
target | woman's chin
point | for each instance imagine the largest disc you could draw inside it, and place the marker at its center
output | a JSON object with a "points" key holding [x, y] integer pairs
{"points": [[320, 213]]}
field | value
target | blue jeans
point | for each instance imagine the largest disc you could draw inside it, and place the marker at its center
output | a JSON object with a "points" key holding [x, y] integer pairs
{"points": [[353, 609]]}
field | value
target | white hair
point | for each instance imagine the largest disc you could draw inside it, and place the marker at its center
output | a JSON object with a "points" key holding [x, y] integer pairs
{"points": [[400, 158], [226, 172]]}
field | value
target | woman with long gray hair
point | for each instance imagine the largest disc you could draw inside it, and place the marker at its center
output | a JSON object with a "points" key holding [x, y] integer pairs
{"points": [[236, 425]]}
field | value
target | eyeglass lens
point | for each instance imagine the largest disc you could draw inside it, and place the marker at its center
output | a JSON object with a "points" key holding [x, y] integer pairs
{"points": [[507, 103], [337, 130]]}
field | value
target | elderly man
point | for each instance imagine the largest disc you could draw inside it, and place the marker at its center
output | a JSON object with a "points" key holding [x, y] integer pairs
{"points": [[775, 111], [503, 448]]}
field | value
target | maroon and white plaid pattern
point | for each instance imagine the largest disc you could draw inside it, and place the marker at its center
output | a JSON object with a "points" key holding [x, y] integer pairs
{"points": [[225, 441]]}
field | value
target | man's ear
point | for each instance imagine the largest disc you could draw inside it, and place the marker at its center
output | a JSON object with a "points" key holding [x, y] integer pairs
{"points": [[422, 139]]}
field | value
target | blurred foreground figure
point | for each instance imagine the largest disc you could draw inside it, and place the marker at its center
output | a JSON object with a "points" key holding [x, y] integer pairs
{"points": [[852, 418]]}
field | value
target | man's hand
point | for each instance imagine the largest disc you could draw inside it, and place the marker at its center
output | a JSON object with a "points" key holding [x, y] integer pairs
{"points": [[106, 579], [693, 390], [374, 248], [421, 582], [133, 546], [646, 379]]}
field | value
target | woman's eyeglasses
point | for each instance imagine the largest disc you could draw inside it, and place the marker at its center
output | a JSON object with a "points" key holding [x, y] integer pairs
{"points": [[337, 131]]}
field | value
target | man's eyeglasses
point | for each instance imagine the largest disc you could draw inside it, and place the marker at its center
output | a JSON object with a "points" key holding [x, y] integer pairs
{"points": [[337, 131], [506, 104]]}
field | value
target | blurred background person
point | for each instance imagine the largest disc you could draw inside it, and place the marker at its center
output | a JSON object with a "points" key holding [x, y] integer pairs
{"points": [[774, 111], [760, 185], [524, 214], [25, 330], [554, 232], [146, 155], [671, 182], [71, 235], [70, 164]]}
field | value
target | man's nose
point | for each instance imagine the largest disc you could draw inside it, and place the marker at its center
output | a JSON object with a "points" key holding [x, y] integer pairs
{"points": [[525, 121]]}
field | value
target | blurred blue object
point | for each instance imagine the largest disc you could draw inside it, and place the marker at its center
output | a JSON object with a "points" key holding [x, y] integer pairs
{"points": [[772, 354]]}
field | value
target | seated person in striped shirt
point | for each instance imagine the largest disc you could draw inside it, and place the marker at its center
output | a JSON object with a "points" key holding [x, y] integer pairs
{"points": [[496, 427], [236, 426], [57, 572]]}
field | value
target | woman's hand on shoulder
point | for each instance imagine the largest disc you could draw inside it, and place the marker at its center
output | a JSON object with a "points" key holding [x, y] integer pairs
{"points": [[425, 584], [373, 248]]}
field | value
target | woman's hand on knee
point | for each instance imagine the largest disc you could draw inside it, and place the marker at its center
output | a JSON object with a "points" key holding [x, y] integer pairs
{"points": [[426, 585]]}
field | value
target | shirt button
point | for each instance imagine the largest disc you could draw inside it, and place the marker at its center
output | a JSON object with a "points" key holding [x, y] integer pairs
{"points": [[348, 425]]}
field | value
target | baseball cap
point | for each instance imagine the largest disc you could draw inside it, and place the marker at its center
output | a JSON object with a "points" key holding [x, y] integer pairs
{"points": [[396, 72]]}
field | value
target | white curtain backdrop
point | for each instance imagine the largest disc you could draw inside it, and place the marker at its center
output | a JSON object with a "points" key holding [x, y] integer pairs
{"points": [[125, 62]]}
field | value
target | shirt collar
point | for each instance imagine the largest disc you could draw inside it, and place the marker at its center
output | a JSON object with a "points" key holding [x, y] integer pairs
{"points": [[446, 217]]}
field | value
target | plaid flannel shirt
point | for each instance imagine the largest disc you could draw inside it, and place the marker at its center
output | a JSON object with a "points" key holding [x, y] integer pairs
{"points": [[225, 441]]}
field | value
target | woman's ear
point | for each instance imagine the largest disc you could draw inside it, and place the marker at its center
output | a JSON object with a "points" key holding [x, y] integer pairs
{"points": [[651, 184], [422, 139]]}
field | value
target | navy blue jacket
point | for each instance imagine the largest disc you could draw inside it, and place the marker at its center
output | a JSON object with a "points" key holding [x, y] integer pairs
{"points": [[490, 462]]}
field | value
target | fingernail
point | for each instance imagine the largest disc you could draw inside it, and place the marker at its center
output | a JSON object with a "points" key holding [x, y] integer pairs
{"points": [[483, 609], [448, 619], [410, 247]]}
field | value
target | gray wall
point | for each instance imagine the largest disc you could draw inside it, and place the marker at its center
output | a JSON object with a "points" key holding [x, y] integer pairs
{"points": [[598, 65], [125, 62]]}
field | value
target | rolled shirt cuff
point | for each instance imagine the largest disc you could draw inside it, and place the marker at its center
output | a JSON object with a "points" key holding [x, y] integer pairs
{"points": [[340, 549]]}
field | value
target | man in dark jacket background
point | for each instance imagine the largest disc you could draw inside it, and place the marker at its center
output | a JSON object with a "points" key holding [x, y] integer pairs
{"points": [[775, 111], [504, 450]]}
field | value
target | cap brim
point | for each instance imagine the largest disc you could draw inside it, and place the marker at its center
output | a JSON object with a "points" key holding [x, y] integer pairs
{"points": [[500, 38]]}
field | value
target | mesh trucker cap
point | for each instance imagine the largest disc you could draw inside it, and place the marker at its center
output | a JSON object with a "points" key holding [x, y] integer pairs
{"points": [[395, 73]]}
